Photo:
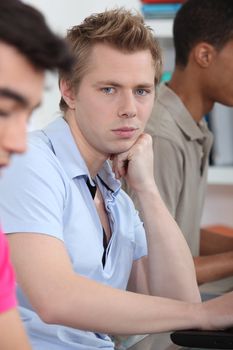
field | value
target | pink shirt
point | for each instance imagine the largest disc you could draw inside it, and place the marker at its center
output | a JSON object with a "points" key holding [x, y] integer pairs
{"points": [[7, 277]]}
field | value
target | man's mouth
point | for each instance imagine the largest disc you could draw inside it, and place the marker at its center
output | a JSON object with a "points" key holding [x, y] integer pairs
{"points": [[125, 132]]}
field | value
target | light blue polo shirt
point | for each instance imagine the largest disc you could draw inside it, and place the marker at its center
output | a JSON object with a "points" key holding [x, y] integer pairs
{"points": [[45, 191]]}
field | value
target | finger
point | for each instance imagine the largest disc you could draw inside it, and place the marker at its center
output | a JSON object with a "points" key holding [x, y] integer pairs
{"points": [[120, 165]]}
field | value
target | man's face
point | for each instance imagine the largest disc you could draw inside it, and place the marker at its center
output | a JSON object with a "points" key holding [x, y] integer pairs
{"points": [[114, 99], [220, 76], [21, 88]]}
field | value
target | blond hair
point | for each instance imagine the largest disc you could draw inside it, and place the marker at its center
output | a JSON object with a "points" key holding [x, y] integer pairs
{"points": [[119, 28]]}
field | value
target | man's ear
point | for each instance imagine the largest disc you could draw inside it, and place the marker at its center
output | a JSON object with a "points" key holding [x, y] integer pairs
{"points": [[67, 93], [204, 54]]}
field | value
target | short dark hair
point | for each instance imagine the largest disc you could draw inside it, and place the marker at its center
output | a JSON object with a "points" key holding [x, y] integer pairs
{"points": [[197, 21], [119, 28], [25, 28]]}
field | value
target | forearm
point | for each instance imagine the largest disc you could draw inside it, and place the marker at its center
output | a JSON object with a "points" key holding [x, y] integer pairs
{"points": [[100, 308], [214, 267], [170, 265]]}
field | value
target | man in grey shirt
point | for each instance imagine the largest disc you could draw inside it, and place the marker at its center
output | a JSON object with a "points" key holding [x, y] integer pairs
{"points": [[181, 139], [181, 148]]}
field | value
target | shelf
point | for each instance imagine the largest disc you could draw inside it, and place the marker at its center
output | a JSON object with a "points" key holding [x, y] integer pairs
{"points": [[220, 175], [161, 27]]}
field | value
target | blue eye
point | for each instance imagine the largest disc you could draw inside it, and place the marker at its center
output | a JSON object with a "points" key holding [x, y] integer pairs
{"points": [[141, 92], [108, 90]]}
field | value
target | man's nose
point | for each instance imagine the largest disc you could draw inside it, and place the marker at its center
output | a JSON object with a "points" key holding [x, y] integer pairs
{"points": [[127, 108]]}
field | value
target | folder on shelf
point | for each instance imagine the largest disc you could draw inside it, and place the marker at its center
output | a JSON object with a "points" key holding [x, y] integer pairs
{"points": [[160, 10], [162, 1]]}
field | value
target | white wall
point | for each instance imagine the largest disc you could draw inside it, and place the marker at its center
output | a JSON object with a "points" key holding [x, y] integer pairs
{"points": [[61, 15]]}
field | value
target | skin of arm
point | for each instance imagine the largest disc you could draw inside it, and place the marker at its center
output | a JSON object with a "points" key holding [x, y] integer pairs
{"points": [[82, 303], [176, 278], [12, 333]]}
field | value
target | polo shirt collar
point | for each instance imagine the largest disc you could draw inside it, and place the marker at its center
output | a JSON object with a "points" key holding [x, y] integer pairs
{"points": [[181, 115], [68, 154]]}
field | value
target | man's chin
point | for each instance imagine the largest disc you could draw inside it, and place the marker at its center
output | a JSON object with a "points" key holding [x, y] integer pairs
{"points": [[123, 148]]}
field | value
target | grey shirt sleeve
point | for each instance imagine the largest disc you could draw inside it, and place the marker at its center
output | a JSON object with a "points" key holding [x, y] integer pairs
{"points": [[168, 171]]}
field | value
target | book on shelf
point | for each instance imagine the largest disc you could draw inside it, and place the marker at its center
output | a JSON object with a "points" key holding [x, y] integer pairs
{"points": [[158, 10], [162, 1], [221, 123], [166, 76]]}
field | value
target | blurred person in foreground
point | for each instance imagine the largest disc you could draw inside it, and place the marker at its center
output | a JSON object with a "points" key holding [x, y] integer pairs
{"points": [[27, 49]]}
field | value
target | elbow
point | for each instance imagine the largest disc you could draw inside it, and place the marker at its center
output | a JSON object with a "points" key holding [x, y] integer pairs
{"points": [[46, 314], [48, 311], [60, 313]]}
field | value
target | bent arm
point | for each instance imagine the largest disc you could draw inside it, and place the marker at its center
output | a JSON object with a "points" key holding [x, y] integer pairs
{"points": [[170, 267], [170, 264], [81, 303]]}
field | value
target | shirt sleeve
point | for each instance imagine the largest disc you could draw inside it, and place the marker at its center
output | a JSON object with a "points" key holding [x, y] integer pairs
{"points": [[33, 194], [7, 278], [168, 171]]}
